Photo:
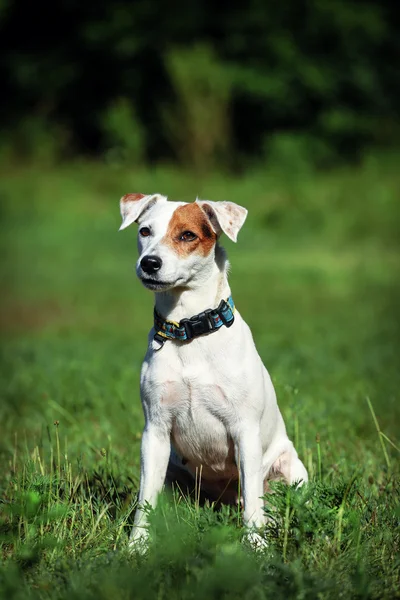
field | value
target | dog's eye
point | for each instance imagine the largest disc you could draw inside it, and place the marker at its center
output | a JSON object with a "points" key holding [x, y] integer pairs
{"points": [[188, 236], [144, 231]]}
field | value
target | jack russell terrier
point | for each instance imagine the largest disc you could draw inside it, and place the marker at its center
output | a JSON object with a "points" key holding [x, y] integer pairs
{"points": [[209, 404]]}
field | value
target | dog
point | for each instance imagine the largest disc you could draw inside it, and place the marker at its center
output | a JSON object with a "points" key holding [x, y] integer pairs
{"points": [[209, 404]]}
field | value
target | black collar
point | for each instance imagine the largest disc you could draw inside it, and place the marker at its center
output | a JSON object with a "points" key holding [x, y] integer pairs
{"points": [[205, 322]]}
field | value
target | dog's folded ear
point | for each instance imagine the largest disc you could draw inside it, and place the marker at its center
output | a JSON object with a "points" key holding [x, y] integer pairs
{"points": [[224, 216], [134, 205]]}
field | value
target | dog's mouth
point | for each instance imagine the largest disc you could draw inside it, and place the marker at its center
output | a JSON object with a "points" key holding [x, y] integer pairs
{"points": [[154, 285]]}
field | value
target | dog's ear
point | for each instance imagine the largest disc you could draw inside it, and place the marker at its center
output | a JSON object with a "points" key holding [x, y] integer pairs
{"points": [[134, 205], [224, 216]]}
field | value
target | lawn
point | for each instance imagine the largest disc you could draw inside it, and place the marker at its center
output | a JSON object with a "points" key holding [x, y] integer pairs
{"points": [[318, 258]]}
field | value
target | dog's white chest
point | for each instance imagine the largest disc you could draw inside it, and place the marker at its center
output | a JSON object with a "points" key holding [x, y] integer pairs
{"points": [[197, 400], [198, 433]]}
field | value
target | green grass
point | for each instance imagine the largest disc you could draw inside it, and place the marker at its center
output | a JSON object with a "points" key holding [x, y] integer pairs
{"points": [[319, 258]]}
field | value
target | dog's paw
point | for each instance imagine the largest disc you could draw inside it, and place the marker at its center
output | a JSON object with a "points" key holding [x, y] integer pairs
{"points": [[139, 540], [256, 541]]}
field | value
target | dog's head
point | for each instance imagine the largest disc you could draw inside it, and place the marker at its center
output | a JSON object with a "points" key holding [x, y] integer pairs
{"points": [[177, 240]]}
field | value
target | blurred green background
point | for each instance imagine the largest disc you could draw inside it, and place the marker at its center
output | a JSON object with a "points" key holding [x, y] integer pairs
{"points": [[288, 108]]}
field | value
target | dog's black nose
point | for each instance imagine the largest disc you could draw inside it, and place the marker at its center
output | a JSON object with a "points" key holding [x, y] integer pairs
{"points": [[150, 264]]}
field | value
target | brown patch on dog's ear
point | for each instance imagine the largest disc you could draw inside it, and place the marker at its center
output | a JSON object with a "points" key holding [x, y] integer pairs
{"points": [[224, 216], [190, 217], [132, 197], [134, 205]]}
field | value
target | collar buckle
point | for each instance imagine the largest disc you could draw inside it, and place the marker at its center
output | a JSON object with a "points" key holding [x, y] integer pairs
{"points": [[198, 324]]}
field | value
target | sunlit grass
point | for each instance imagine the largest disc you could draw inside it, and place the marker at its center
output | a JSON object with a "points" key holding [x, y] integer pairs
{"points": [[315, 274]]}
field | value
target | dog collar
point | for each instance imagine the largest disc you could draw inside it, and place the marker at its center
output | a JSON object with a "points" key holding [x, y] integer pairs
{"points": [[207, 321]]}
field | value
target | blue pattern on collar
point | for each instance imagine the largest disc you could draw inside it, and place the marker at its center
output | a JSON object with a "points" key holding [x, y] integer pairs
{"points": [[206, 322]]}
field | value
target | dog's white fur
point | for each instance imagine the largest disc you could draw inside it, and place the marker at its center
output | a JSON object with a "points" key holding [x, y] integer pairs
{"points": [[209, 404]]}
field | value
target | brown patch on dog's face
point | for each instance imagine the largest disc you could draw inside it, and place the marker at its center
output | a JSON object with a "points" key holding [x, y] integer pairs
{"points": [[190, 218]]}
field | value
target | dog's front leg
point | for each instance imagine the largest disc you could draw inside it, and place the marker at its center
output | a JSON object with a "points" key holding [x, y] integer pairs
{"points": [[154, 456], [249, 460]]}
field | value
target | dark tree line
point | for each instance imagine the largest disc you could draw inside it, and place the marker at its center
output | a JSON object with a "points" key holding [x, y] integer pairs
{"points": [[202, 81]]}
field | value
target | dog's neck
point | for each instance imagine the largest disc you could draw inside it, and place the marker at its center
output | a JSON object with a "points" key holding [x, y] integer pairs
{"points": [[181, 303]]}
